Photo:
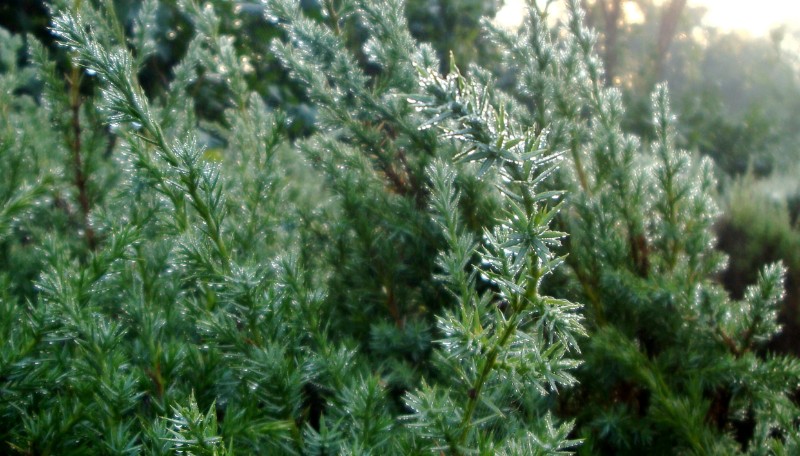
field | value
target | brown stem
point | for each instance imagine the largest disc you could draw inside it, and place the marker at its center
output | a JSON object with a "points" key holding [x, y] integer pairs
{"points": [[591, 293], [333, 16], [157, 379], [391, 305], [399, 184], [80, 177], [401, 177], [640, 253], [576, 160], [730, 343], [417, 189]]}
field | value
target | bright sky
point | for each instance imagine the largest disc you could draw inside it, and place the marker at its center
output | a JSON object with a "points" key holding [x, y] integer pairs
{"points": [[745, 15], [726, 14]]}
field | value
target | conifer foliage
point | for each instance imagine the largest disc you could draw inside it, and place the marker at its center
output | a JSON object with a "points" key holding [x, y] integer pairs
{"points": [[671, 363], [406, 279]]}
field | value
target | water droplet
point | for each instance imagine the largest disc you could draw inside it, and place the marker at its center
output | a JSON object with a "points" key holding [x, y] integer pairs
{"points": [[136, 125], [246, 66], [91, 72]]}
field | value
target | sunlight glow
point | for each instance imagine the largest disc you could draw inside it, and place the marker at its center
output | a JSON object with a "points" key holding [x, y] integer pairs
{"points": [[511, 14], [755, 18]]}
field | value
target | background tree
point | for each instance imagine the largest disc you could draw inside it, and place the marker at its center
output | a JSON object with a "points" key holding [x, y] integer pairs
{"points": [[613, 18]]}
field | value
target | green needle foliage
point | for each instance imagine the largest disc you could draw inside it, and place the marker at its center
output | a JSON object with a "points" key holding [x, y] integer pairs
{"points": [[671, 364], [405, 280]]}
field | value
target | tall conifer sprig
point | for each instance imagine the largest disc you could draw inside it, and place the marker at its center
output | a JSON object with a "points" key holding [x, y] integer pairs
{"points": [[514, 336], [129, 107], [252, 132]]}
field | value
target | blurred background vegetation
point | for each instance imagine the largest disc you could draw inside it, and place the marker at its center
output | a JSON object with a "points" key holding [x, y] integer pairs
{"points": [[737, 97]]}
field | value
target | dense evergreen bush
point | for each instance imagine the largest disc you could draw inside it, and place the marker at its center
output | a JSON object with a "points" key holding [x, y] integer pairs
{"points": [[405, 280], [757, 227]]}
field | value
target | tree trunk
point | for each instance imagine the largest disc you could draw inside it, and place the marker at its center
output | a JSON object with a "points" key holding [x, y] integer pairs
{"points": [[670, 17], [612, 11]]}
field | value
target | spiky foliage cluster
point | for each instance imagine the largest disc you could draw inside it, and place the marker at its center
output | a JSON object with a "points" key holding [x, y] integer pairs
{"points": [[401, 281], [340, 294], [672, 364]]}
